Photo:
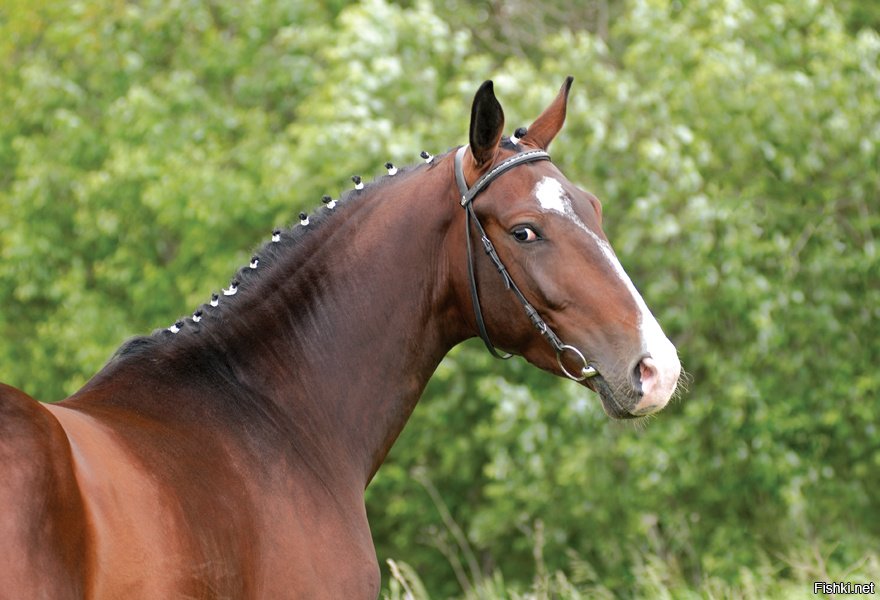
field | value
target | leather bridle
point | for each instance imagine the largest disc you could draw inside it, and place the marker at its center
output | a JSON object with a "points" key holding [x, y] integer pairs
{"points": [[467, 197]]}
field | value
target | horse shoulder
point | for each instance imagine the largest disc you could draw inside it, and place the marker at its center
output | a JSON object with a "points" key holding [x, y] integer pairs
{"points": [[140, 545], [42, 522]]}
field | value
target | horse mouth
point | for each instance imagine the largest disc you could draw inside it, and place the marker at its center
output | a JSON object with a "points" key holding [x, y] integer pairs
{"points": [[610, 404]]}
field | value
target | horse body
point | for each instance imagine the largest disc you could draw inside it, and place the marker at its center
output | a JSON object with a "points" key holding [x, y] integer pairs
{"points": [[229, 459], [213, 519], [111, 504]]}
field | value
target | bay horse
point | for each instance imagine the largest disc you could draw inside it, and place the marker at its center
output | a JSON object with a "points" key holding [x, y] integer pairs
{"points": [[227, 455]]}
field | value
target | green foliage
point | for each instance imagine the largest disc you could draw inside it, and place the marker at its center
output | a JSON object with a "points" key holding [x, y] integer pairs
{"points": [[141, 146], [655, 579], [145, 148]]}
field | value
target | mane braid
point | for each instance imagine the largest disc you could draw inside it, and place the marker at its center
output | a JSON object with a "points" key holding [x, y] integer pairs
{"points": [[162, 340]]}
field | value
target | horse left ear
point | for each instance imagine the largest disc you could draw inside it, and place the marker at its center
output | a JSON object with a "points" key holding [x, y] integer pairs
{"points": [[487, 124], [546, 126]]}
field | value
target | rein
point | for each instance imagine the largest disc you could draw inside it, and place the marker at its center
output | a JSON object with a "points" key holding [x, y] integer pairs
{"points": [[467, 198]]}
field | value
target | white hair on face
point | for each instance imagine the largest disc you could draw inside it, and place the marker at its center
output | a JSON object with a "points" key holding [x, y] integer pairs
{"points": [[552, 197]]}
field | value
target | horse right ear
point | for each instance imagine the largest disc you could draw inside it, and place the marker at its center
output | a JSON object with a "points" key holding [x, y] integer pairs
{"points": [[487, 125], [548, 124]]}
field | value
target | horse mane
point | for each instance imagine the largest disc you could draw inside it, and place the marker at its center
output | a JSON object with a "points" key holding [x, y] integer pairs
{"points": [[288, 249]]}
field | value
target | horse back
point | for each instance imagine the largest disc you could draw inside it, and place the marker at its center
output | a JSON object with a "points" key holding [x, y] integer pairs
{"points": [[42, 523]]}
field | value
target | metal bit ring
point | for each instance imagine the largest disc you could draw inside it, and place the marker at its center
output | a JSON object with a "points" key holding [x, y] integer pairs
{"points": [[586, 370]]}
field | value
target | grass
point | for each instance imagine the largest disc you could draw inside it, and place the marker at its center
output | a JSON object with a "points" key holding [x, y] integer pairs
{"points": [[656, 577], [655, 581]]}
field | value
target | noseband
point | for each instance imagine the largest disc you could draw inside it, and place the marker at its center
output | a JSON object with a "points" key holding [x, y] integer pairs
{"points": [[467, 197]]}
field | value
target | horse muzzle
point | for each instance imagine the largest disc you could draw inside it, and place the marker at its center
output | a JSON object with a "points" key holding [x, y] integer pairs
{"points": [[646, 391]]}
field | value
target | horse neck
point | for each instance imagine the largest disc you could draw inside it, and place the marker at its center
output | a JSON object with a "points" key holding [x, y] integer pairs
{"points": [[379, 316], [343, 332]]}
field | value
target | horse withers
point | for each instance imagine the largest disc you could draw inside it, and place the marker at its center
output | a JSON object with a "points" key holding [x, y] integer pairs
{"points": [[227, 455]]}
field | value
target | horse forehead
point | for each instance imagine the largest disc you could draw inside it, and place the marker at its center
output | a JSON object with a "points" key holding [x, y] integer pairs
{"points": [[552, 196]]}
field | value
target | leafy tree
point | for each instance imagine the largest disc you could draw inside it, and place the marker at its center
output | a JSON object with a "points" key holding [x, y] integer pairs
{"points": [[141, 146]]}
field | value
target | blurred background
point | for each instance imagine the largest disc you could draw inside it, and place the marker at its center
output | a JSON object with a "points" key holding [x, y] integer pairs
{"points": [[147, 146]]}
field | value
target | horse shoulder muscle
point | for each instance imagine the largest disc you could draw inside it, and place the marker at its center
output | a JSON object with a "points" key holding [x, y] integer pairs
{"points": [[42, 522]]}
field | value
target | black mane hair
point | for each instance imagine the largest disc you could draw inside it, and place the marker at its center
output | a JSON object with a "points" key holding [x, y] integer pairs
{"points": [[286, 249]]}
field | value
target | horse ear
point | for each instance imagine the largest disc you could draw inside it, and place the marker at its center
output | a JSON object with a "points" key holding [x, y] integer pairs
{"points": [[546, 126], [487, 124]]}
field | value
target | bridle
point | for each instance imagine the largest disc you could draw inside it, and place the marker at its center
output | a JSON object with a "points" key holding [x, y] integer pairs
{"points": [[467, 197]]}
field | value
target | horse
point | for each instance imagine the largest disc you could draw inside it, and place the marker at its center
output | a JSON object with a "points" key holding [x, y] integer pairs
{"points": [[226, 456]]}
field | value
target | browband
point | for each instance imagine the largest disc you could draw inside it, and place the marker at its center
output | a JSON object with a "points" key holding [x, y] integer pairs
{"points": [[468, 194]]}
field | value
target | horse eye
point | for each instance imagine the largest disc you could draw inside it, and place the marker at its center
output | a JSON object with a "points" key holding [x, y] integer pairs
{"points": [[525, 234]]}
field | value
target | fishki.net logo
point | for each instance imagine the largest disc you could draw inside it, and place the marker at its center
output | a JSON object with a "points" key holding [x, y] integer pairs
{"points": [[844, 588]]}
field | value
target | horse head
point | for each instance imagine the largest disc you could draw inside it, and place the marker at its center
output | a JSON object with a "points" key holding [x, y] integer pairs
{"points": [[545, 238]]}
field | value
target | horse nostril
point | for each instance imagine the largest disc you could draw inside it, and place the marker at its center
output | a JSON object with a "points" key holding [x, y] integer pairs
{"points": [[647, 374], [644, 375], [637, 378]]}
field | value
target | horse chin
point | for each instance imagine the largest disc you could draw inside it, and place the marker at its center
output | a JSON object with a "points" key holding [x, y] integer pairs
{"points": [[610, 404]]}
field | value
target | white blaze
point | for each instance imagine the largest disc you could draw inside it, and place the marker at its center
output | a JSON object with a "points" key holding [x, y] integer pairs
{"points": [[551, 197]]}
